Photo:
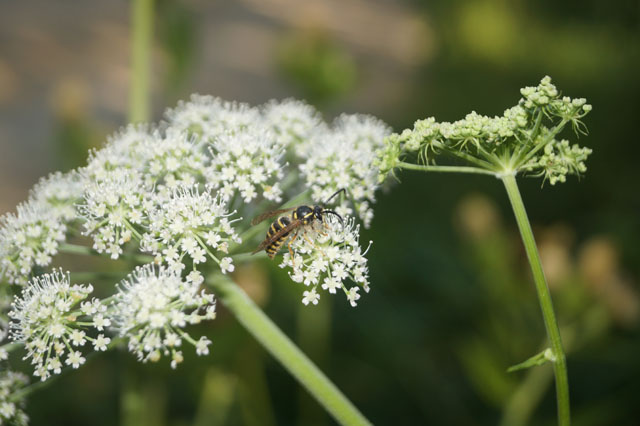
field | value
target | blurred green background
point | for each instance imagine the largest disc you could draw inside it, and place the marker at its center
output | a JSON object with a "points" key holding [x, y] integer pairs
{"points": [[452, 302]]}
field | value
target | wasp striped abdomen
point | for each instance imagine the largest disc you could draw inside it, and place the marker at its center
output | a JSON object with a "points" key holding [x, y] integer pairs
{"points": [[284, 226], [280, 223]]}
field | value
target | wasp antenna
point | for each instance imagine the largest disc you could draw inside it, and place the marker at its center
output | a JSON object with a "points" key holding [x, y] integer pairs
{"points": [[335, 214], [334, 194]]}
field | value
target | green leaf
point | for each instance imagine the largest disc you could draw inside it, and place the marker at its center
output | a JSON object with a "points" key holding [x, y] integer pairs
{"points": [[538, 359]]}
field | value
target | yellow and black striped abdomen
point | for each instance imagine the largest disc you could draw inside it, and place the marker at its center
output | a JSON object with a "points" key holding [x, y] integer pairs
{"points": [[275, 227]]}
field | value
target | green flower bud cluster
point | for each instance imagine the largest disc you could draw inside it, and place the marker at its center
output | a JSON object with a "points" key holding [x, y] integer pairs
{"points": [[558, 160], [521, 140]]}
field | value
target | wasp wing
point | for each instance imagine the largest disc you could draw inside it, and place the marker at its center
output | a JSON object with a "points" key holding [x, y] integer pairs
{"points": [[256, 220], [275, 237]]}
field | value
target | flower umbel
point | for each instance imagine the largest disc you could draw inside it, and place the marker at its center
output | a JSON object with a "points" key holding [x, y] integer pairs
{"points": [[246, 162], [114, 210], [151, 309], [190, 223], [60, 192], [209, 117], [343, 158], [29, 238], [325, 256], [294, 124], [51, 321], [11, 412], [522, 140]]}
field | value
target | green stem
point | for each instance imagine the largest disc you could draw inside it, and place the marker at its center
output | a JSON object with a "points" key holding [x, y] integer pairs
{"points": [[446, 169], [95, 276], [470, 158], [314, 338], [544, 296], [77, 249], [12, 346], [552, 134], [87, 251], [291, 358], [141, 22], [243, 257]]}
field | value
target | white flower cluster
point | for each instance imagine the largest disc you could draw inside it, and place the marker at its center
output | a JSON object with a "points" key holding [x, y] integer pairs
{"points": [[210, 117], [325, 255], [194, 224], [28, 239], [168, 190], [114, 209], [248, 162], [48, 320], [11, 412], [294, 124], [173, 160], [59, 192], [126, 149], [343, 158], [151, 309]]}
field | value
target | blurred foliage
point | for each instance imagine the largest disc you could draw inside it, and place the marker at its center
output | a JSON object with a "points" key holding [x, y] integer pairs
{"points": [[319, 67], [452, 303], [177, 35]]}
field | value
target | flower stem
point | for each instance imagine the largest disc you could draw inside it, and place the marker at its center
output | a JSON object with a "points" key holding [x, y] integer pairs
{"points": [[142, 25], [446, 169], [544, 296], [87, 251], [11, 346], [291, 358]]}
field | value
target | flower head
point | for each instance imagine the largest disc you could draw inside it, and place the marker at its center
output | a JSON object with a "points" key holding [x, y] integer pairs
{"points": [[344, 159], [152, 308], [126, 149], [209, 117], [523, 139], [114, 209], [326, 256], [50, 319], [12, 412], [558, 160], [173, 159], [294, 124], [190, 225], [60, 192], [246, 162], [27, 239]]}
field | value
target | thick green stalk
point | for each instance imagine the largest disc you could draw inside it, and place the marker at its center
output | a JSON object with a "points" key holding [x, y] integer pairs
{"points": [[141, 27], [544, 296], [291, 358]]}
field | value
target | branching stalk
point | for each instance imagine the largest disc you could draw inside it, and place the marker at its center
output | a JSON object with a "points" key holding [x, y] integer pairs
{"points": [[544, 296]]}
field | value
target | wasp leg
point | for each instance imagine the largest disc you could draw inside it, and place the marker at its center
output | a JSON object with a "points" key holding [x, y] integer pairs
{"points": [[304, 235], [325, 226], [291, 251]]}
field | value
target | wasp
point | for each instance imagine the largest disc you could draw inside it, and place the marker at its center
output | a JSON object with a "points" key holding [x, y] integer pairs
{"points": [[285, 225]]}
